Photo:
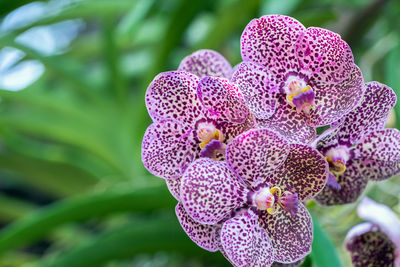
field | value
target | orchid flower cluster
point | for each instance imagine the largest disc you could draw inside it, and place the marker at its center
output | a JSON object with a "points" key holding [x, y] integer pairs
{"points": [[238, 146]]}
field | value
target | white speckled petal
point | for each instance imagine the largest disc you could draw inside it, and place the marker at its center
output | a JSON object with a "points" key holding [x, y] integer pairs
{"points": [[305, 172], [210, 191], [370, 115], [202, 234], [323, 55], [168, 148], [255, 153], [270, 41], [222, 100], [206, 62], [245, 242], [382, 216], [290, 124], [334, 100], [172, 95], [291, 236], [174, 187], [379, 154], [258, 87]]}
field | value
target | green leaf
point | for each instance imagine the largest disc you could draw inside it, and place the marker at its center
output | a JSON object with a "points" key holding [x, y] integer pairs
{"points": [[182, 16], [149, 236], [39, 223], [392, 70], [230, 19], [56, 179], [323, 251], [12, 208]]}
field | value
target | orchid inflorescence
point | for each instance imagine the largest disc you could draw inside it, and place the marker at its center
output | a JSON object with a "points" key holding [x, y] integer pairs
{"points": [[238, 146]]}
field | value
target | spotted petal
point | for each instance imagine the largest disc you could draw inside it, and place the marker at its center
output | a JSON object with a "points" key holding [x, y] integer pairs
{"points": [[210, 191], [305, 172], [368, 246], [258, 87], [290, 124], [245, 242], [167, 148], [352, 184], [223, 100], [172, 95], [379, 154], [206, 62], [270, 41], [370, 115], [231, 130], [255, 153], [328, 139], [174, 187], [333, 100], [324, 56], [202, 234], [383, 216], [291, 236]]}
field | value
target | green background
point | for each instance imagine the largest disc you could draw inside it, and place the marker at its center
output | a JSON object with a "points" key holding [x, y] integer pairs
{"points": [[73, 190]]}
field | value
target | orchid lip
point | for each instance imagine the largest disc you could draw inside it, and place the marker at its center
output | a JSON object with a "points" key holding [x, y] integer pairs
{"points": [[271, 199], [337, 158], [208, 132], [300, 95]]}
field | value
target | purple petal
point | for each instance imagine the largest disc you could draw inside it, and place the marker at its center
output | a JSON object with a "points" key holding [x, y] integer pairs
{"points": [[370, 115], [221, 248], [323, 56], [333, 100], [370, 247], [206, 62], [304, 172], [245, 242], [223, 100], [231, 130], [211, 149], [202, 234], [172, 95], [332, 182], [174, 187], [328, 139], [258, 87], [167, 149], [210, 191], [289, 123], [352, 184], [290, 202], [291, 236], [255, 153], [381, 215], [270, 41], [379, 154]]}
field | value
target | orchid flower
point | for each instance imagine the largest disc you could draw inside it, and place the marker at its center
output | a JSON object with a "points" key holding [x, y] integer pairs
{"points": [[249, 206], [376, 242], [295, 79], [359, 149]]}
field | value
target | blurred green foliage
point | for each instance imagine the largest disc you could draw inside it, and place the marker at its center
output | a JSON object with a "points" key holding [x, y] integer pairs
{"points": [[73, 190]]}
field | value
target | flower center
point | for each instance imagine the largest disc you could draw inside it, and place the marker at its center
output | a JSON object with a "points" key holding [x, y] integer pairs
{"points": [[337, 158], [300, 96], [211, 140], [208, 132], [272, 199]]}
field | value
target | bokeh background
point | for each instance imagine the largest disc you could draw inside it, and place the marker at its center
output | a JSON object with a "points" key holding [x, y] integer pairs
{"points": [[73, 73]]}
